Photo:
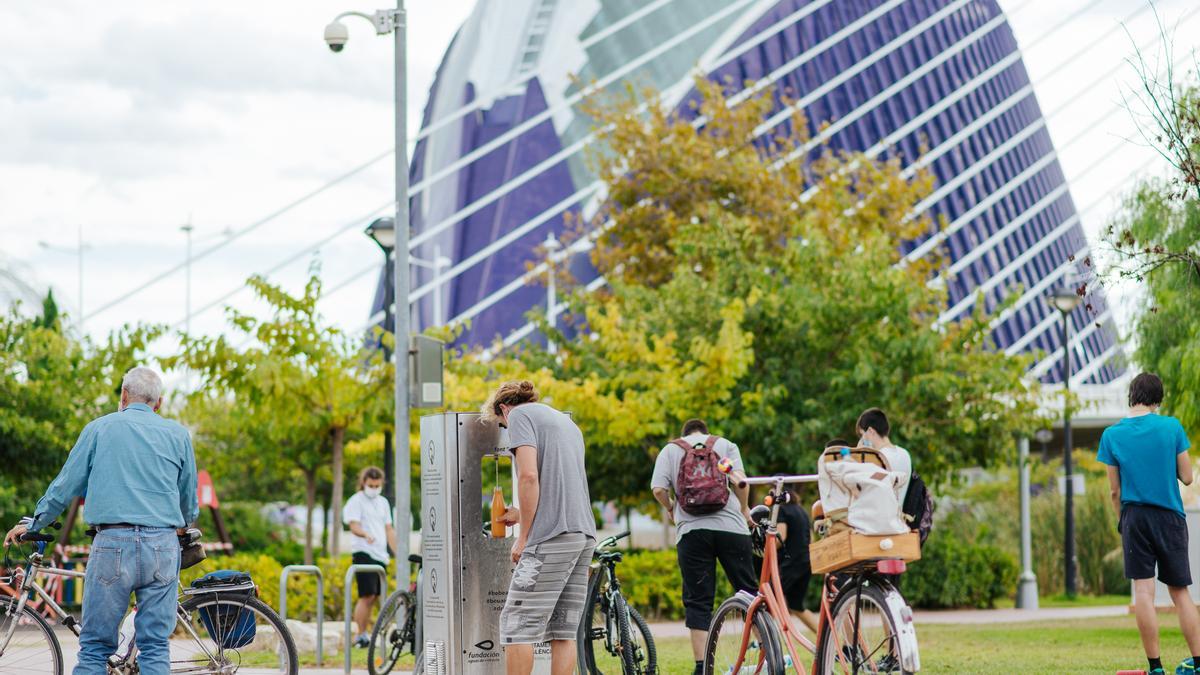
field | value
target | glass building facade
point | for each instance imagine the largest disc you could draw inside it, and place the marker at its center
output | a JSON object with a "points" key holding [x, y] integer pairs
{"points": [[500, 158]]}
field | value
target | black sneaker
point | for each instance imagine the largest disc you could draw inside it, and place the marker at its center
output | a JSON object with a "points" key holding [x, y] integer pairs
{"points": [[362, 642], [887, 664]]}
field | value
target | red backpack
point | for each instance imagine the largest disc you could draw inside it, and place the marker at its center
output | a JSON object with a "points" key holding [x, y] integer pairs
{"points": [[700, 489]]}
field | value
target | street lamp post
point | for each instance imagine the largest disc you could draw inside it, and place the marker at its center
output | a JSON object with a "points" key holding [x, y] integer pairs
{"points": [[383, 232], [1065, 300], [1027, 590], [1044, 436], [392, 21]]}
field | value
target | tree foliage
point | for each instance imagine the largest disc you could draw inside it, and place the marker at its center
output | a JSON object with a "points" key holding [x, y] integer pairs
{"points": [[1155, 238], [764, 295], [286, 390], [51, 385]]}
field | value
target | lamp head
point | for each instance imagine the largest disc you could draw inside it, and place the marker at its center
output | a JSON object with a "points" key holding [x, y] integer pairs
{"points": [[1043, 435], [1065, 299], [383, 232]]}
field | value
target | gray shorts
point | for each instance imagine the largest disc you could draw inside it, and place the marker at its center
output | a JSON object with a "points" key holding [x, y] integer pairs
{"points": [[548, 588]]}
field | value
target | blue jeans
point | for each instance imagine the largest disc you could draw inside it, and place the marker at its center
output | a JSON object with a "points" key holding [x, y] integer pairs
{"points": [[144, 561]]}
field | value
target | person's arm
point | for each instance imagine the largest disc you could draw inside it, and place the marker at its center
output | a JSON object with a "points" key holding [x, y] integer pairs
{"points": [[357, 529], [528, 492], [782, 529], [663, 497], [189, 503], [736, 474], [1183, 461], [391, 537], [1114, 487], [70, 483]]}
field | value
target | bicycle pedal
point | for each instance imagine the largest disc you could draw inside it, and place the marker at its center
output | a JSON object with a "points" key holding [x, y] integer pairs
{"points": [[598, 634]]}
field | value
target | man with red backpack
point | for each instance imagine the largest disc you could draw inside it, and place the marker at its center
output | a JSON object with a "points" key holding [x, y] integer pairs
{"points": [[710, 522]]}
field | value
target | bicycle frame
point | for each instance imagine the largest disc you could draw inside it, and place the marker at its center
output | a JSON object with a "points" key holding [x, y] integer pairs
{"points": [[770, 587], [30, 586]]}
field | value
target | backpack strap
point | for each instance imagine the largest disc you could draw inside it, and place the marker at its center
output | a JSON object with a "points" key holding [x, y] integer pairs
{"points": [[683, 444], [711, 442]]}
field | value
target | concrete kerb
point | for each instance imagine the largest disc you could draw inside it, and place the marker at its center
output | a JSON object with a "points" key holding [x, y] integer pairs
{"points": [[305, 569], [383, 592]]}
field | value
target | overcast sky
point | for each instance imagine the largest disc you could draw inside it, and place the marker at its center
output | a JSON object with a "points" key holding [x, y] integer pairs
{"points": [[128, 119]]}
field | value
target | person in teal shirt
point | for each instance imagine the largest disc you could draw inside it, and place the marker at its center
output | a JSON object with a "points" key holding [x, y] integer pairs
{"points": [[138, 474], [1147, 458]]}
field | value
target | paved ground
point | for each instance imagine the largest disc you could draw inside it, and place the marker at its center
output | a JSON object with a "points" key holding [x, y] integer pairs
{"points": [[677, 629]]}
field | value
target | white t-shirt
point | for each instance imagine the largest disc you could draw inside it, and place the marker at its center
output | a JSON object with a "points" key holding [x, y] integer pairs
{"points": [[373, 515], [899, 462]]}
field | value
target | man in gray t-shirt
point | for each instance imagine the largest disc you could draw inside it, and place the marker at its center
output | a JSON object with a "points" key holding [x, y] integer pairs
{"points": [[702, 540], [557, 534]]}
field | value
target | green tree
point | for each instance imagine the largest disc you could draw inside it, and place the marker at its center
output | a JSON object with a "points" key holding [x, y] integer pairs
{"points": [[765, 295], [1154, 240], [51, 385], [302, 384]]}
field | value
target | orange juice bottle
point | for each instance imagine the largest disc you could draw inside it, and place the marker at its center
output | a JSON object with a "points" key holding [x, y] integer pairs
{"points": [[499, 529]]}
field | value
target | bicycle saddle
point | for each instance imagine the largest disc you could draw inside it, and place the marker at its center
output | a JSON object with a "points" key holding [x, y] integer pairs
{"points": [[414, 559]]}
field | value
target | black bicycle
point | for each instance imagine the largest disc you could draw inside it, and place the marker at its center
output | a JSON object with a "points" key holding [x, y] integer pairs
{"points": [[397, 629], [613, 637]]}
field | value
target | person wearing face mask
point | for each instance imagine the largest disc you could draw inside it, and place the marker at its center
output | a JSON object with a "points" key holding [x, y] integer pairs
{"points": [[873, 428], [369, 517]]}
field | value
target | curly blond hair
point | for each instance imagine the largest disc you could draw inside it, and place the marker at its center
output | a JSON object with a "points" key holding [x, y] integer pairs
{"points": [[513, 392]]}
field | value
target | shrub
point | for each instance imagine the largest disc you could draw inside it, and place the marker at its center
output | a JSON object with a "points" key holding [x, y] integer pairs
{"points": [[251, 531], [954, 573], [302, 588], [651, 583]]}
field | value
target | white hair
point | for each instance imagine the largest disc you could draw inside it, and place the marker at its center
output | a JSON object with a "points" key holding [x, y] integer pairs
{"points": [[142, 384]]}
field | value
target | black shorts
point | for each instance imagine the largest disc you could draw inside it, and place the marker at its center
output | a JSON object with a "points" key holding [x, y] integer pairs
{"points": [[1155, 536], [368, 582], [699, 551], [795, 588]]}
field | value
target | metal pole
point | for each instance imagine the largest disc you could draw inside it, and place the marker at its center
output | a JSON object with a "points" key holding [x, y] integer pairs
{"points": [[389, 325], [1027, 590], [403, 470], [346, 605], [1069, 491], [315, 571]]}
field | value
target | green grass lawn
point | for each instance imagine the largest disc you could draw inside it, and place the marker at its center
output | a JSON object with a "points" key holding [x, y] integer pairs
{"points": [[1089, 646], [1078, 601]]}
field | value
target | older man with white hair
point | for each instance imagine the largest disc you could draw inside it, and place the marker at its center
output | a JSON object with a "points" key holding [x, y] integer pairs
{"points": [[138, 473]]}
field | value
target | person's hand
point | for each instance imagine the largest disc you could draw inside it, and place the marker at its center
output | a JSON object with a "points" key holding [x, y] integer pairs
{"points": [[14, 535], [518, 548], [746, 515], [370, 539], [512, 516]]}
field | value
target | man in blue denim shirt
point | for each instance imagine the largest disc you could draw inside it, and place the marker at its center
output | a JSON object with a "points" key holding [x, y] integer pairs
{"points": [[138, 473]]}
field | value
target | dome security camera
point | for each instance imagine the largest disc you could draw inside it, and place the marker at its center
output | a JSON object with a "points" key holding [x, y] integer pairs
{"points": [[336, 36]]}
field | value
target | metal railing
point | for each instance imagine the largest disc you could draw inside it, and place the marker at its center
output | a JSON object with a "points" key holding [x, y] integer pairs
{"points": [[315, 571], [346, 607]]}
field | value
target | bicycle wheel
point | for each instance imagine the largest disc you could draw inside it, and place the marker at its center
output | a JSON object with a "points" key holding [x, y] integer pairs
{"points": [[597, 641], [33, 647], [864, 633], [392, 633], [763, 653], [231, 634], [640, 645]]}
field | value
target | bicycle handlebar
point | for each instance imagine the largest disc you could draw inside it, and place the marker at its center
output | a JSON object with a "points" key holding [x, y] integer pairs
{"points": [[611, 541], [34, 536]]}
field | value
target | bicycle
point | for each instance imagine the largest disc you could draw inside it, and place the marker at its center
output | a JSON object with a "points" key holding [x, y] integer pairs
{"points": [[222, 629], [864, 625], [398, 626], [626, 645]]}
